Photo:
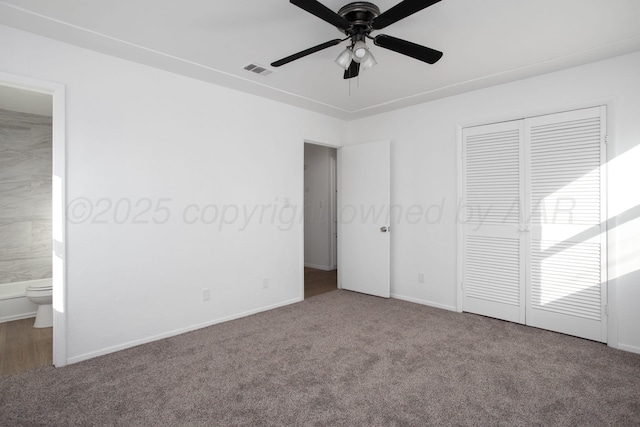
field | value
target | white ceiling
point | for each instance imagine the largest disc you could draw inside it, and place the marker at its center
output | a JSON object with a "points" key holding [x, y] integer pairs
{"points": [[485, 42]]}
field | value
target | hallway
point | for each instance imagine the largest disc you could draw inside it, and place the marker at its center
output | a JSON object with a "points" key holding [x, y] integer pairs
{"points": [[318, 282]]}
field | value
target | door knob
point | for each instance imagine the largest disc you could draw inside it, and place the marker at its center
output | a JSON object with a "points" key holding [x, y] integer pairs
{"points": [[384, 229]]}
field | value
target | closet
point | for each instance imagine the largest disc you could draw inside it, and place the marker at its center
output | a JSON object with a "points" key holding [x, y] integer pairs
{"points": [[533, 222]]}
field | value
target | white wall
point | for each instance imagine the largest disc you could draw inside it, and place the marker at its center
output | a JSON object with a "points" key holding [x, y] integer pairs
{"points": [[165, 144], [317, 205], [424, 174]]}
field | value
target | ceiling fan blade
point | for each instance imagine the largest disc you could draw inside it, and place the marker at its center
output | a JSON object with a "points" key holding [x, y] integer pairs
{"points": [[352, 71], [400, 11], [322, 12], [305, 52], [421, 53]]}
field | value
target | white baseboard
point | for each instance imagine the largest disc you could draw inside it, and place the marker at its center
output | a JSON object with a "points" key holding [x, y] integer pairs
{"points": [[17, 317], [319, 267], [175, 332], [630, 348], [424, 302]]}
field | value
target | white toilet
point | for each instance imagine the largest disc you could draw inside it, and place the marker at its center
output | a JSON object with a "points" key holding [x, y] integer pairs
{"points": [[41, 292]]}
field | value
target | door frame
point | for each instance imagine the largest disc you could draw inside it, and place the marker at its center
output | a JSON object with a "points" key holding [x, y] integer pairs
{"points": [[59, 186], [334, 207]]}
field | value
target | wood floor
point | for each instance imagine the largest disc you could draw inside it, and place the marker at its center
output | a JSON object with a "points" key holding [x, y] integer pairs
{"points": [[23, 347], [318, 282]]}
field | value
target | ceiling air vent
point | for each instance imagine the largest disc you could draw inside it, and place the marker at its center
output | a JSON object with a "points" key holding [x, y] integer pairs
{"points": [[258, 69]]}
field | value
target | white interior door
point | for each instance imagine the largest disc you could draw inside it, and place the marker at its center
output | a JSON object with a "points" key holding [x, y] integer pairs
{"points": [[566, 284], [493, 249], [364, 194]]}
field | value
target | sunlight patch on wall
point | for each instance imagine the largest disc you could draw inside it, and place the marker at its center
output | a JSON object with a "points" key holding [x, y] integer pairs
{"points": [[624, 176], [624, 212], [628, 248]]}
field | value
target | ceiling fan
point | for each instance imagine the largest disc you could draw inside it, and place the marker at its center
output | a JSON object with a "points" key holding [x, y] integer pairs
{"points": [[357, 20]]}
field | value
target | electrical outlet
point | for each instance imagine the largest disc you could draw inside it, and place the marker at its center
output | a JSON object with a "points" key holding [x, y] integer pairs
{"points": [[206, 294], [420, 277], [265, 283]]}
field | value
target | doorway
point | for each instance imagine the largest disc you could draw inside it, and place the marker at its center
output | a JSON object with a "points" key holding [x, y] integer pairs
{"points": [[320, 220], [25, 228], [26, 88]]}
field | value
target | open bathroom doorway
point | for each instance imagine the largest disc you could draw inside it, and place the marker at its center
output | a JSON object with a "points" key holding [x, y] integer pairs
{"points": [[320, 219], [32, 224]]}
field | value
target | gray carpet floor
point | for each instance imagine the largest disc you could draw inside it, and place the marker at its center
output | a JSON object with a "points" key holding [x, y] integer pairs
{"points": [[340, 358]]}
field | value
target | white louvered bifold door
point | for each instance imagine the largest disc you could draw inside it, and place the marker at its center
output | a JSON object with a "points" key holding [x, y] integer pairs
{"points": [[493, 255], [566, 275]]}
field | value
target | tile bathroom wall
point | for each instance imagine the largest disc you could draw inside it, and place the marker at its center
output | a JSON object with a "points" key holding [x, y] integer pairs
{"points": [[25, 196]]}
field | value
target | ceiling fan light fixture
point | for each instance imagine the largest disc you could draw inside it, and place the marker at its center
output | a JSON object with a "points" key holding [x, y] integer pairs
{"points": [[369, 62], [360, 51], [344, 59]]}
